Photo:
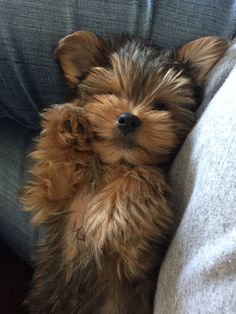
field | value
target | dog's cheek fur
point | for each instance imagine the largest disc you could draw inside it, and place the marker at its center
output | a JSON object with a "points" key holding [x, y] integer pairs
{"points": [[102, 112]]}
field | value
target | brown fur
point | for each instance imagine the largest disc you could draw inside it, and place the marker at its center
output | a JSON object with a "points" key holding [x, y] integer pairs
{"points": [[102, 194]]}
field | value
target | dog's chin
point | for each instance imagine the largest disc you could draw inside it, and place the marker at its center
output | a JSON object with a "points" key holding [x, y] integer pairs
{"points": [[125, 142], [124, 151]]}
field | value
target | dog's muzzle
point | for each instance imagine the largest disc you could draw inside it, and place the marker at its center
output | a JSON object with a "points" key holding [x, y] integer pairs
{"points": [[128, 122]]}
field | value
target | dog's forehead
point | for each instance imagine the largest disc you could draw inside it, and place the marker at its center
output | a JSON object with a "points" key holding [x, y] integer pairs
{"points": [[140, 55], [139, 73], [140, 70]]}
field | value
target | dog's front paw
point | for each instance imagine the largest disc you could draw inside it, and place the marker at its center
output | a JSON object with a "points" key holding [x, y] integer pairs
{"points": [[67, 125]]}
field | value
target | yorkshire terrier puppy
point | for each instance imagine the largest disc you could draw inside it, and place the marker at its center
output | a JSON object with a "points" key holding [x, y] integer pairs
{"points": [[99, 177]]}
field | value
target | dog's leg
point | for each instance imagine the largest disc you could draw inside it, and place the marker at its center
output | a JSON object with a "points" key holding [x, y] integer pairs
{"points": [[61, 150]]}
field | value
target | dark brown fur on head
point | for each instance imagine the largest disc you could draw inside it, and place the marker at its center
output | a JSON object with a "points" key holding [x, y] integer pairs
{"points": [[98, 178]]}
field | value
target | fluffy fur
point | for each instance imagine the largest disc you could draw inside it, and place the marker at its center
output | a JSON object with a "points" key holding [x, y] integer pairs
{"points": [[102, 193]]}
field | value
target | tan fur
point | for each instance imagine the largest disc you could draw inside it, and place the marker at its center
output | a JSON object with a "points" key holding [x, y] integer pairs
{"points": [[57, 170], [102, 194], [201, 54], [84, 44]]}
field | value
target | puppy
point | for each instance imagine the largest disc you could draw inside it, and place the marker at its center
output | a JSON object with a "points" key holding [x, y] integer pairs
{"points": [[99, 177]]}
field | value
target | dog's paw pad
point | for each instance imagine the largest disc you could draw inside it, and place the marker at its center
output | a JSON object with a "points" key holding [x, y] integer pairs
{"points": [[67, 126]]}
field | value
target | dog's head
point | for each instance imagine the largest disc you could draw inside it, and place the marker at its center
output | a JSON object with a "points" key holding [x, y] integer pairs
{"points": [[139, 100]]}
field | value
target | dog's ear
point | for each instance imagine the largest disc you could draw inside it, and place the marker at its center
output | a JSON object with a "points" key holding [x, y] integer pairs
{"points": [[77, 53], [201, 55]]}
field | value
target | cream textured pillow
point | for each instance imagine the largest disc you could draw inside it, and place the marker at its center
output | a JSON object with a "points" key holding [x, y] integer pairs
{"points": [[199, 272]]}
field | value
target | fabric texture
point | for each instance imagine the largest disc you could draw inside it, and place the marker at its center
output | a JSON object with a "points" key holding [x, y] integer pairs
{"points": [[15, 228], [199, 272]]}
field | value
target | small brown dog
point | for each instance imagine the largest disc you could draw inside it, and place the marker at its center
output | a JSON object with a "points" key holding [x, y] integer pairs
{"points": [[99, 178]]}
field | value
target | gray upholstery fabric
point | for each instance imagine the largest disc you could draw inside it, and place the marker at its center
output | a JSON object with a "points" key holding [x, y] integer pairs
{"points": [[199, 272], [15, 228]]}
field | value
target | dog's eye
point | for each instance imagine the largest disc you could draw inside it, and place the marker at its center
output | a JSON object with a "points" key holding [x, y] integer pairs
{"points": [[160, 106], [83, 76]]}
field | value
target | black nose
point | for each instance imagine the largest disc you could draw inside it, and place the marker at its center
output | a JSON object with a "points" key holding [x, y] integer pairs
{"points": [[128, 122]]}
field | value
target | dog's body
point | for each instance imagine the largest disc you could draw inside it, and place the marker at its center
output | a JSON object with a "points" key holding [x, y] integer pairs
{"points": [[98, 179]]}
